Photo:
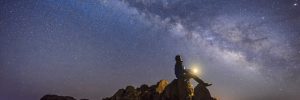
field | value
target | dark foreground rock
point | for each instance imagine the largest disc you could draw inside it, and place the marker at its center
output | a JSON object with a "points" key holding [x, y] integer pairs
{"points": [[144, 92], [176, 90], [56, 97], [163, 90]]}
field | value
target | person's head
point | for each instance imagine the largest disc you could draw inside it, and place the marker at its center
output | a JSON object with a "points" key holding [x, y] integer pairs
{"points": [[178, 58]]}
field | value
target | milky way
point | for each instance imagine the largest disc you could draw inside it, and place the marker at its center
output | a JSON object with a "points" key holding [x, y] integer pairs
{"points": [[248, 49], [256, 38]]}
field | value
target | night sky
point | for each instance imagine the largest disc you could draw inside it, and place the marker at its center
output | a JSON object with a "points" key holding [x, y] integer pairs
{"points": [[248, 49]]}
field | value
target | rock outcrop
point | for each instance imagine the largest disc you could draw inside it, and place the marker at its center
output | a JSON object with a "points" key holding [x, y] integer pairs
{"points": [[202, 93], [144, 92], [56, 97], [176, 90]]}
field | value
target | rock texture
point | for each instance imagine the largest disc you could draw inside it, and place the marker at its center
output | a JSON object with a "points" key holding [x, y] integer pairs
{"points": [[144, 92], [176, 90], [202, 93]]}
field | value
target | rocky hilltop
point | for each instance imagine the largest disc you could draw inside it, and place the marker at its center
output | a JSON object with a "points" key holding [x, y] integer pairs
{"points": [[163, 90]]}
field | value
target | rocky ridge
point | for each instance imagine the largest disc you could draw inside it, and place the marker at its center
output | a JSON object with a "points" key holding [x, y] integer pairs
{"points": [[163, 90]]}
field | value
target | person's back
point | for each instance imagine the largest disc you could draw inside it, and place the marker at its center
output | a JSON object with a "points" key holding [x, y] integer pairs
{"points": [[179, 68]]}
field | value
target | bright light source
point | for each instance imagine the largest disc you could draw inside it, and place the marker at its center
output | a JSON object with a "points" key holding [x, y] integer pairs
{"points": [[195, 70]]}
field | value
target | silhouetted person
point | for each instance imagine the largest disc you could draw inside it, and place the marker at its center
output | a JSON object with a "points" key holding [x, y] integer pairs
{"points": [[182, 73], [179, 68]]}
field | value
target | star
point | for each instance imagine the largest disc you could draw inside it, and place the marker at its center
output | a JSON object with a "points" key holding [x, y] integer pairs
{"points": [[295, 4]]}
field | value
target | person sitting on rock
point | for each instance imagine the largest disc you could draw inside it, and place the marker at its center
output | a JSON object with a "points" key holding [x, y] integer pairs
{"points": [[182, 73], [179, 68]]}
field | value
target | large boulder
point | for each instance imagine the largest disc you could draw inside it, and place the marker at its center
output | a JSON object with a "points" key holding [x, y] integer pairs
{"points": [[178, 90], [159, 88], [144, 92], [118, 95], [130, 93], [202, 93], [161, 85]]}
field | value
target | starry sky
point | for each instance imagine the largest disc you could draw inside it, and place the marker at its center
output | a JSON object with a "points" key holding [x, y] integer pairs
{"points": [[248, 49]]}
